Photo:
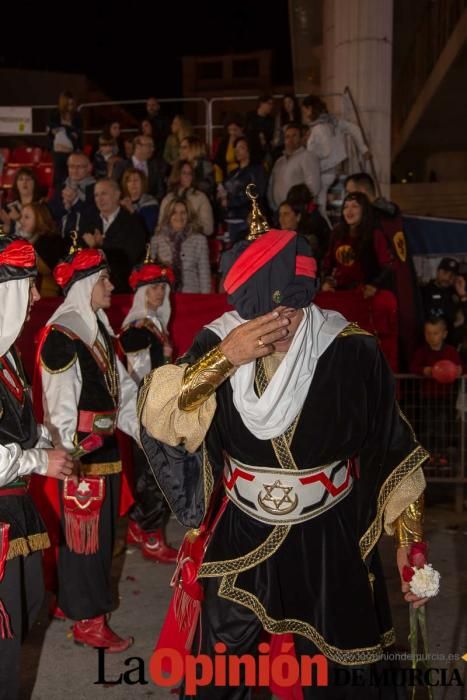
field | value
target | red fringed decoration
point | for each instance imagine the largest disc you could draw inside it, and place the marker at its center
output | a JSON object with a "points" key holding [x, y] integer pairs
{"points": [[82, 505], [5, 627], [181, 621]]}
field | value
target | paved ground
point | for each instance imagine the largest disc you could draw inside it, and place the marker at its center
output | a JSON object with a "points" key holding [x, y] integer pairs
{"points": [[55, 668]]}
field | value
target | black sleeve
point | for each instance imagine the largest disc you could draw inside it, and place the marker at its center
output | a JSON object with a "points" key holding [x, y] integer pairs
{"points": [[58, 352], [135, 339], [204, 341], [389, 454]]}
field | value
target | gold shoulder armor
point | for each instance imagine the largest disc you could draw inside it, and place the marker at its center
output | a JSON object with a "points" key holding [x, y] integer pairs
{"points": [[353, 329]]}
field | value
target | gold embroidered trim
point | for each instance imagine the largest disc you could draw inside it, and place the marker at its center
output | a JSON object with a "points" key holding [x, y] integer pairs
{"points": [[62, 369], [347, 657], [229, 566], [103, 469], [208, 477], [353, 329], [275, 538], [404, 469], [22, 546], [388, 638]]}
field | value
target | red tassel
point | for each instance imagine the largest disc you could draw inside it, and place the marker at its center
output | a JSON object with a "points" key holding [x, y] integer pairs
{"points": [[82, 533], [5, 627], [187, 611]]}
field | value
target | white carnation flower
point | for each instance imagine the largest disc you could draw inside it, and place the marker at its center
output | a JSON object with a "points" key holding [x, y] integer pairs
{"points": [[425, 582]]}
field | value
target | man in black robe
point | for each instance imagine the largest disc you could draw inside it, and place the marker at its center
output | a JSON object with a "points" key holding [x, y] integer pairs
{"points": [[305, 459]]}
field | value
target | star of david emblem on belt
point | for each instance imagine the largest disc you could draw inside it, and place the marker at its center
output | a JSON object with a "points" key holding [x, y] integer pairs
{"points": [[278, 499]]}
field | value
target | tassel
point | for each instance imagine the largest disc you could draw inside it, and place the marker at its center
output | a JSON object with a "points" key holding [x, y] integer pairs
{"points": [[5, 627], [82, 533], [187, 611]]}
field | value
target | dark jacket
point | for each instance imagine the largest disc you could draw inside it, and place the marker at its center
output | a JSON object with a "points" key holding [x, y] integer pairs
{"points": [[124, 246]]}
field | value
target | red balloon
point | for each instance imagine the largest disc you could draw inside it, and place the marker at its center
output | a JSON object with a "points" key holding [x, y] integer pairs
{"points": [[445, 371]]}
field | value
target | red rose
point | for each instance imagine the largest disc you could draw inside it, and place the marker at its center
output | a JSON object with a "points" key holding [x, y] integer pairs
{"points": [[407, 573], [418, 554]]}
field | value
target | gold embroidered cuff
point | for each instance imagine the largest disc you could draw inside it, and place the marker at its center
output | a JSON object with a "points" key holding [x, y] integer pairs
{"points": [[201, 380], [409, 524]]}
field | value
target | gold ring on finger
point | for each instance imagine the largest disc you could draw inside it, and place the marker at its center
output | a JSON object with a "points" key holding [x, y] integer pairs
{"points": [[260, 343]]}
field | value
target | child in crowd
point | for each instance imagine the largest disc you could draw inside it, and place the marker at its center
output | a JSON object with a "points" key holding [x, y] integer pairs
{"points": [[437, 417], [104, 158]]}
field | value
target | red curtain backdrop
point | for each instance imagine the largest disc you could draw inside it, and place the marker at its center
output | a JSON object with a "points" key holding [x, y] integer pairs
{"points": [[192, 311]]}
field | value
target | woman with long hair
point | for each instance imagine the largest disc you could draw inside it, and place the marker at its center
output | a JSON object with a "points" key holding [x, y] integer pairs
{"points": [[25, 190], [180, 128], [193, 150], [136, 198], [38, 227], [224, 160], [178, 244], [65, 135], [183, 183], [358, 255], [289, 113], [231, 194]]}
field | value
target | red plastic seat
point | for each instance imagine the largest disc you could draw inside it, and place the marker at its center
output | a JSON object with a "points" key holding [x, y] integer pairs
{"points": [[45, 174], [8, 176], [37, 154], [46, 157], [24, 155]]}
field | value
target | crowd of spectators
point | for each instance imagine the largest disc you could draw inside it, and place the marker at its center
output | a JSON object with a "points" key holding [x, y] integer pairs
{"points": [[163, 189]]}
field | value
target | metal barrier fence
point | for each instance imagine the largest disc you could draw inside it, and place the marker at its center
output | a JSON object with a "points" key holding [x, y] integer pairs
{"points": [[438, 415]]}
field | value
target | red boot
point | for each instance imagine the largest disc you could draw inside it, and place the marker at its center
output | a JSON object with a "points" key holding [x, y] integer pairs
{"points": [[135, 534], [96, 633], [56, 613], [156, 548]]}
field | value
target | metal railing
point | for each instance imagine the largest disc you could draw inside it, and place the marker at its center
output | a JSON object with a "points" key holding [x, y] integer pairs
{"points": [[97, 114], [438, 415]]}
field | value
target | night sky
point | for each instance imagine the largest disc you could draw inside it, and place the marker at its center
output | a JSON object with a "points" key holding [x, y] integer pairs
{"points": [[133, 52]]}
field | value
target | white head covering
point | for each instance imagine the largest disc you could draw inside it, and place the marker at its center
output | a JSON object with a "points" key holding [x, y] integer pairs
{"points": [[140, 310], [269, 415], [77, 314], [14, 302]]}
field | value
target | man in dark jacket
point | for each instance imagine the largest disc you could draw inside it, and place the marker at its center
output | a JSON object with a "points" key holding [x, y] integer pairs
{"points": [[142, 159], [119, 233]]}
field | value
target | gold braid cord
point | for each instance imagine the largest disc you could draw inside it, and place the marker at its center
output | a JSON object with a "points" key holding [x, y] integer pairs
{"points": [[409, 524], [201, 380]]}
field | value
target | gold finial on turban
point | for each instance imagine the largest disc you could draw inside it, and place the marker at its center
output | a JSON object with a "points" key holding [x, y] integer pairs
{"points": [[74, 243], [258, 223], [148, 258]]}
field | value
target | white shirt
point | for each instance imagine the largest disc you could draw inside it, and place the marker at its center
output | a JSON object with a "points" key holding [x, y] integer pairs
{"points": [[109, 221], [140, 165]]}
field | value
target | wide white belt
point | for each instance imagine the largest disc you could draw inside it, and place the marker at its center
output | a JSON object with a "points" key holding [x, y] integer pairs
{"points": [[276, 496]]}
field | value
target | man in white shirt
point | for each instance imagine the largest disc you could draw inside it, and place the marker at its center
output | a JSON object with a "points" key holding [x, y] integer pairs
{"points": [[122, 235], [294, 167]]}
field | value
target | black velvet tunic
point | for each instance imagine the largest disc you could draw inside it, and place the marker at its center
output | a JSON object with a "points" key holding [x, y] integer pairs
{"points": [[17, 425], [322, 578]]}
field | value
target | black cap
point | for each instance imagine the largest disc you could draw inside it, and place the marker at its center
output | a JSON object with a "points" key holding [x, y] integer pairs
{"points": [[450, 265]]}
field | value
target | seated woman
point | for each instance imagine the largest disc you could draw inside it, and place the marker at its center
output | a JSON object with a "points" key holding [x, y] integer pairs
{"points": [[25, 190], [232, 192], [136, 199], [183, 183], [193, 150], [311, 223], [38, 227], [180, 128], [358, 254], [178, 244], [224, 158]]}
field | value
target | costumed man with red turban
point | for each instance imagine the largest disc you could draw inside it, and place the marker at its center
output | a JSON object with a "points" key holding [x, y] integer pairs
{"points": [[305, 460], [145, 340], [25, 448], [87, 395]]}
